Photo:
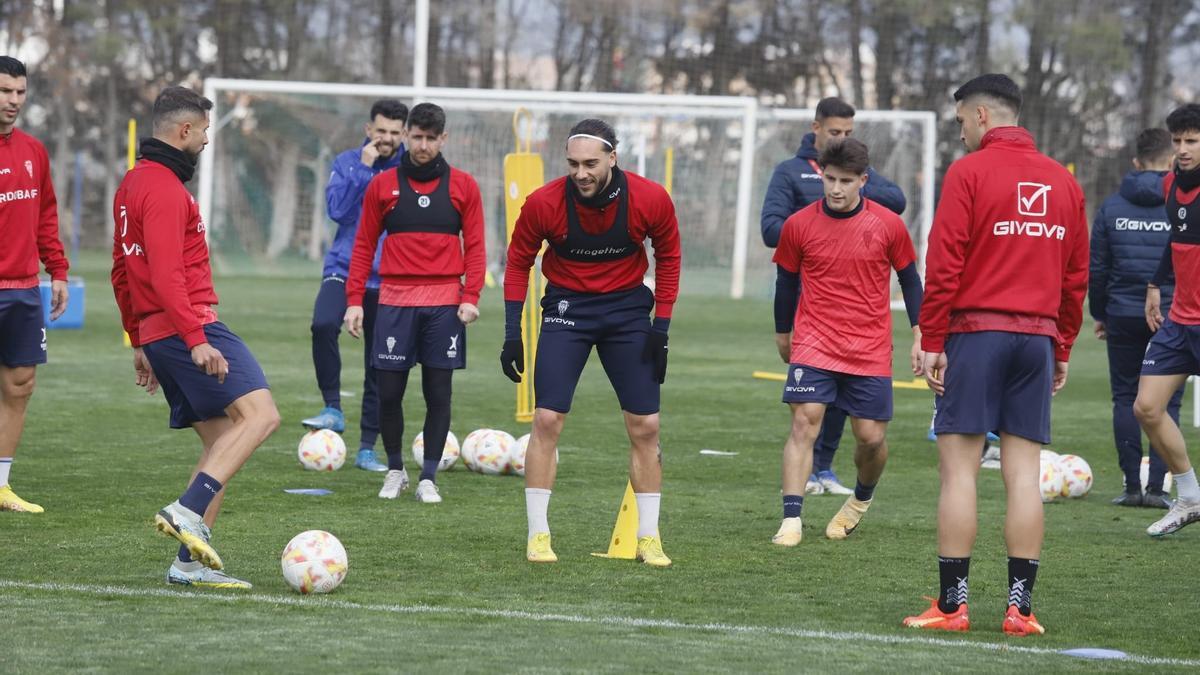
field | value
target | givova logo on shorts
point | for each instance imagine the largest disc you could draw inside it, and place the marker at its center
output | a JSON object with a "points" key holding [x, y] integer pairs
{"points": [[795, 388], [391, 345], [562, 309]]}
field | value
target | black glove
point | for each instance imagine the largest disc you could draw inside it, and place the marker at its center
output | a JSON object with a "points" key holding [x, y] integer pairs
{"points": [[512, 359], [655, 352]]}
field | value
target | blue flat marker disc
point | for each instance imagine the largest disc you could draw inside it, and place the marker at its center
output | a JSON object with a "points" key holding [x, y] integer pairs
{"points": [[1095, 653], [318, 492]]}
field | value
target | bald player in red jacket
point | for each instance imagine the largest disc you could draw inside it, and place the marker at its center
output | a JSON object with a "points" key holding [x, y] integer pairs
{"points": [[595, 220], [1005, 276]]}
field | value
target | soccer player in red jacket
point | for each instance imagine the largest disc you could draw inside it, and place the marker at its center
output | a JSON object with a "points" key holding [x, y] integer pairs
{"points": [[29, 230], [1174, 351], [1005, 276], [433, 216], [837, 334], [163, 285], [595, 220]]}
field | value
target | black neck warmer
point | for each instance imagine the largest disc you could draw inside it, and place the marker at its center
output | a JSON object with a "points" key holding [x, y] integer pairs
{"points": [[1187, 180], [604, 196], [179, 162], [843, 214], [434, 168]]}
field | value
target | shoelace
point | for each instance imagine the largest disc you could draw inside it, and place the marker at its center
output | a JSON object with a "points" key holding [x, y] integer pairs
{"points": [[394, 481]]}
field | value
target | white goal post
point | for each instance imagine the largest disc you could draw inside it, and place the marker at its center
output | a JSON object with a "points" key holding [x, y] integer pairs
{"points": [[714, 140]]}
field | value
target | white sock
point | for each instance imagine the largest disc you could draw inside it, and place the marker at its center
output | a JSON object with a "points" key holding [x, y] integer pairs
{"points": [[537, 502], [647, 503], [1189, 489], [5, 467]]}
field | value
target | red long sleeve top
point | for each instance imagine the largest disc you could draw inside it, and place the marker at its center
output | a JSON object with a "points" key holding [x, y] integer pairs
{"points": [[28, 213]]}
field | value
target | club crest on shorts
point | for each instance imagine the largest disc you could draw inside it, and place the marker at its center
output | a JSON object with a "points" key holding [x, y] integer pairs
{"points": [[797, 374], [423, 201], [391, 343], [29, 168], [1182, 211], [562, 307], [453, 350]]}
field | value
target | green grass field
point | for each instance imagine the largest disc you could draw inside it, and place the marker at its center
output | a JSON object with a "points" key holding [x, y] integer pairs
{"points": [[446, 588]]}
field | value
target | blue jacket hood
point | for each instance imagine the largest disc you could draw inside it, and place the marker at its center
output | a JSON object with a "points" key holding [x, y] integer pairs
{"points": [[1144, 188], [808, 147]]}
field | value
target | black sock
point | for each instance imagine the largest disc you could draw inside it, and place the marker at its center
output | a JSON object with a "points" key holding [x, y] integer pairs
{"points": [[1022, 572], [391, 385], [792, 504], [953, 590], [435, 384], [863, 493]]}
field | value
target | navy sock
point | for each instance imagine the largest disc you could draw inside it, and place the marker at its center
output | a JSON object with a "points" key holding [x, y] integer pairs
{"points": [[184, 554], [863, 493], [792, 505], [953, 589], [429, 470], [1022, 572], [200, 493]]}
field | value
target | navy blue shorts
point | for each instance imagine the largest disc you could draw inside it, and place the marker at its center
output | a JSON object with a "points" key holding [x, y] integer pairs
{"points": [[617, 325], [432, 336], [997, 381], [193, 395], [22, 327], [867, 397], [1174, 350]]}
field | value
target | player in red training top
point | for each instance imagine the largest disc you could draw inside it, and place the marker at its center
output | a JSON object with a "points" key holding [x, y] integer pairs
{"points": [[1005, 276], [1174, 351], [433, 217], [596, 220], [837, 337], [29, 230], [164, 289]]}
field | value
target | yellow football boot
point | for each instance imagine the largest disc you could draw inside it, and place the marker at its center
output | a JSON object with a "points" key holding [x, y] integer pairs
{"points": [[847, 518], [538, 550], [9, 501], [790, 532], [649, 551]]}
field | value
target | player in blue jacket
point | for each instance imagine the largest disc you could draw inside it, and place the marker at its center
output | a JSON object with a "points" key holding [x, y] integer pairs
{"points": [[795, 184], [1128, 236], [352, 171]]}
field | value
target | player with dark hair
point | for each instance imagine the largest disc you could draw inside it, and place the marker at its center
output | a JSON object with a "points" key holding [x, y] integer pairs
{"points": [[352, 171], [837, 335], [29, 230], [1174, 351], [1005, 277], [163, 285], [431, 218], [795, 184], [596, 220], [1129, 233]]}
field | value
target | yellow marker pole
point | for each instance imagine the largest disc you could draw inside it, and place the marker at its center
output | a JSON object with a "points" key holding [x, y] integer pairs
{"points": [[524, 173], [669, 170], [131, 157]]}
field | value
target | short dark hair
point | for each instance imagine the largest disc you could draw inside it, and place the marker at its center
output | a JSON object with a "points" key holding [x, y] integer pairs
{"points": [[849, 154], [428, 116], [1153, 145], [389, 108], [996, 86], [833, 107], [598, 128], [174, 103], [11, 67], [1184, 118]]}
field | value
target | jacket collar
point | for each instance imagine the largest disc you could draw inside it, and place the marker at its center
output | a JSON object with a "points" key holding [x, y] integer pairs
{"points": [[1017, 136], [808, 147]]}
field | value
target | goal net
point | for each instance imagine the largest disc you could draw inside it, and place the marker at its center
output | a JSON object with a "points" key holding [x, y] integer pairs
{"points": [[263, 176]]}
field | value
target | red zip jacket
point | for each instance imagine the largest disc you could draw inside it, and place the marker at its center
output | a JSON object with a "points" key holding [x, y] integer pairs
{"points": [[28, 213], [1009, 246], [420, 258], [161, 276], [544, 218]]}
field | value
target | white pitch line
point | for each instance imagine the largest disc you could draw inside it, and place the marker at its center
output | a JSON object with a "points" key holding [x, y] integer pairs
{"points": [[617, 621]]}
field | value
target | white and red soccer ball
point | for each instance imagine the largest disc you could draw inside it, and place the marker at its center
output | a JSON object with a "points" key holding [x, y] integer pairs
{"points": [[322, 450], [314, 561]]}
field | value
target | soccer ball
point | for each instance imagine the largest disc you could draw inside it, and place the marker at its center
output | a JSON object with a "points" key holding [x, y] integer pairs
{"points": [[1077, 475], [516, 459], [1051, 481], [314, 561], [491, 452], [1050, 456], [1145, 474], [450, 452], [469, 444], [322, 450]]}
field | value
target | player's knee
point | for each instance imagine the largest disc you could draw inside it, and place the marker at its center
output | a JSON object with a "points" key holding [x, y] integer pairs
{"points": [[643, 431], [326, 327], [1146, 412], [547, 422], [18, 386]]}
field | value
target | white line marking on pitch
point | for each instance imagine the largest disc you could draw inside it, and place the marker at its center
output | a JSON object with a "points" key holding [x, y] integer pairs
{"points": [[618, 621]]}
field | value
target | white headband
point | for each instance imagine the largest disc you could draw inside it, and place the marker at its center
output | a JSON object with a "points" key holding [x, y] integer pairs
{"points": [[595, 138]]}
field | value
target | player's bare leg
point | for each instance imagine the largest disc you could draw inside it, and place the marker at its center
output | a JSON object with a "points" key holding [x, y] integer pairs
{"points": [[797, 463], [1154, 393], [540, 471], [870, 456], [645, 474], [16, 388], [1024, 526], [958, 468]]}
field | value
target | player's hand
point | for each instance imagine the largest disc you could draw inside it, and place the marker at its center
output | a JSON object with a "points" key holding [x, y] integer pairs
{"points": [[512, 359], [1154, 317], [1060, 377], [916, 357], [934, 367], [1100, 330], [370, 153], [58, 298], [211, 361], [467, 313], [354, 320], [144, 374], [655, 351], [783, 343]]}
